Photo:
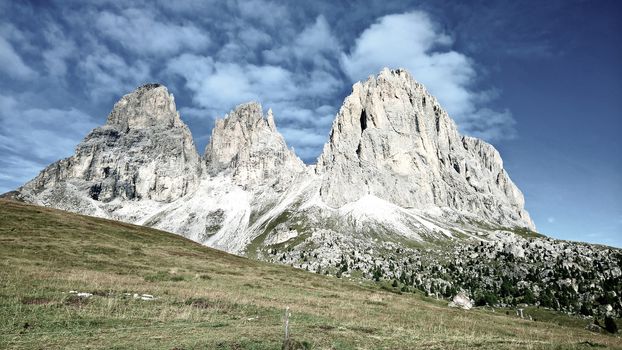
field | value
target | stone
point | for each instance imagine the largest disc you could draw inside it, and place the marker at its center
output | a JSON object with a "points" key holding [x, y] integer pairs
{"points": [[594, 328], [461, 301]]}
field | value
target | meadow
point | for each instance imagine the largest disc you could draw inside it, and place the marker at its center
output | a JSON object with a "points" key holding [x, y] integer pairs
{"points": [[155, 290]]}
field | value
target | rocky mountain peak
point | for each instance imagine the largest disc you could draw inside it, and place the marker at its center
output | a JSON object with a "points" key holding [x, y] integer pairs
{"points": [[248, 118], [149, 86], [270, 120], [144, 151], [391, 139], [150, 105], [246, 143]]}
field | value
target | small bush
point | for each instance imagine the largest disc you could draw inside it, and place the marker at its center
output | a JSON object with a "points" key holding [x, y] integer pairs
{"points": [[486, 298], [610, 325]]}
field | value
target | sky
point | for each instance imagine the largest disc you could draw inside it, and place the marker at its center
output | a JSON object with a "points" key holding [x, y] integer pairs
{"points": [[540, 80]]}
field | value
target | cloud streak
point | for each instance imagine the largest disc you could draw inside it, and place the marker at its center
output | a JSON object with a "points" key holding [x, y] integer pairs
{"points": [[12, 64], [30, 139], [139, 31]]}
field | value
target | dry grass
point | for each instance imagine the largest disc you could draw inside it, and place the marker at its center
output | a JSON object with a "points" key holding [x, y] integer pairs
{"points": [[210, 299]]}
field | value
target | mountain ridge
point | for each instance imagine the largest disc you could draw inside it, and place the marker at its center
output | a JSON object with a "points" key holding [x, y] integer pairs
{"points": [[391, 146]]}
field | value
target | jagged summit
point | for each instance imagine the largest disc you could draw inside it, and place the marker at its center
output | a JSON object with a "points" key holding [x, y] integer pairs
{"points": [[149, 86], [150, 105], [391, 139], [247, 144], [250, 116], [143, 152]]}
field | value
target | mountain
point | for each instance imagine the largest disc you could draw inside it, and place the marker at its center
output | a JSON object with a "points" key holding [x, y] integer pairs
{"points": [[247, 169], [396, 194], [391, 139], [395, 163]]}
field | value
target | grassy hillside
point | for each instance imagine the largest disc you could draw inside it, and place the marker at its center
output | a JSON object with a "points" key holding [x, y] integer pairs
{"points": [[207, 299]]}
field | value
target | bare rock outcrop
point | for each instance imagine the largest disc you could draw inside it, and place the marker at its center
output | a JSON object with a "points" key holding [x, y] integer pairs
{"points": [[391, 139], [246, 145], [144, 151], [461, 301]]}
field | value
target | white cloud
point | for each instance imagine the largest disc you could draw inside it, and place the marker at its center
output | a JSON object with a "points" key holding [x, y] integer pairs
{"points": [[265, 12], [139, 31], [60, 50], [44, 133], [315, 44], [394, 40], [488, 124], [305, 141], [106, 73], [12, 64], [304, 137], [312, 120], [220, 86], [295, 79], [315, 38], [193, 113], [223, 85], [413, 41], [16, 169], [192, 7], [32, 138], [253, 37]]}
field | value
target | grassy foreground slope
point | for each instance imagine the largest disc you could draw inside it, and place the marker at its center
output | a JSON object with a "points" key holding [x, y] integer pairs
{"points": [[207, 299]]}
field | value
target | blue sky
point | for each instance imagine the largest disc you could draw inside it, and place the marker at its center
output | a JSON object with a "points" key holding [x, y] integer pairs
{"points": [[541, 80]]}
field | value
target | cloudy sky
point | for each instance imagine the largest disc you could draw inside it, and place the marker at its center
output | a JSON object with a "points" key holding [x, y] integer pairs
{"points": [[541, 80]]}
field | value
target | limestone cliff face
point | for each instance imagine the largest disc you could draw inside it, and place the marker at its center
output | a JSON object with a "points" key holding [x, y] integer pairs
{"points": [[246, 145], [392, 139], [144, 151]]}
